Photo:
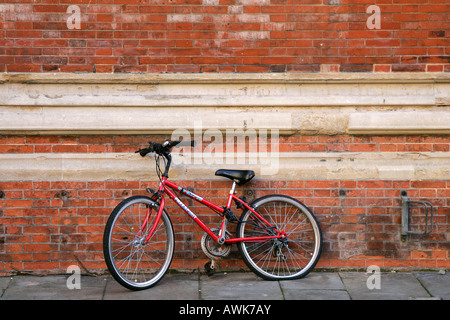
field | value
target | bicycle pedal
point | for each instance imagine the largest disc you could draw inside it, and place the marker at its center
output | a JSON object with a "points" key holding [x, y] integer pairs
{"points": [[209, 269]]}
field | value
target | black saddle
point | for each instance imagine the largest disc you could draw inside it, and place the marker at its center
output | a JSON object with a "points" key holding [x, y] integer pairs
{"points": [[238, 176]]}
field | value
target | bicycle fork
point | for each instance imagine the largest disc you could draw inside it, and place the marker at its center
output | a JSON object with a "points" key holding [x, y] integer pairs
{"points": [[147, 218]]}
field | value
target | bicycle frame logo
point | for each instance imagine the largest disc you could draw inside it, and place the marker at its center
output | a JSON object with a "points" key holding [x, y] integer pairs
{"points": [[183, 206], [230, 147], [190, 194]]}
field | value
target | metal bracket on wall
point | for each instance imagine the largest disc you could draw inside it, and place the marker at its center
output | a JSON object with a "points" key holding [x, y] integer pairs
{"points": [[408, 204]]}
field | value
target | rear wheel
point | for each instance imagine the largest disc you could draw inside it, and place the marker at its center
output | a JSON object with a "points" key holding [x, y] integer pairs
{"points": [[280, 259], [134, 263]]}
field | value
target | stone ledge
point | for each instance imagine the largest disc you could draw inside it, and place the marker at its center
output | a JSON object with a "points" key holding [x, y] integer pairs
{"points": [[286, 120], [282, 166], [255, 90], [223, 78], [338, 103], [432, 122]]}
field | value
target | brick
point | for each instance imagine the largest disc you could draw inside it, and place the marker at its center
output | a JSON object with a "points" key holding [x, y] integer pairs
{"points": [[369, 221], [411, 26], [195, 36], [428, 184]]}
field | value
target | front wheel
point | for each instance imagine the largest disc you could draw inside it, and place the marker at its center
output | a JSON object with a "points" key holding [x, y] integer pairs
{"points": [[280, 259], [133, 262]]}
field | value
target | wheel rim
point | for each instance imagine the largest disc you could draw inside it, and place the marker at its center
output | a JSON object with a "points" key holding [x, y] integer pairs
{"points": [[135, 262], [282, 258]]}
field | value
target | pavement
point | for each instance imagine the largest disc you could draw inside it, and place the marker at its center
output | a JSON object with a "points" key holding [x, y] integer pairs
{"points": [[235, 286]]}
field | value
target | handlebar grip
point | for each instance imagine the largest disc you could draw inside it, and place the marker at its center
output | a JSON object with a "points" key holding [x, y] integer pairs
{"points": [[144, 152], [164, 147]]}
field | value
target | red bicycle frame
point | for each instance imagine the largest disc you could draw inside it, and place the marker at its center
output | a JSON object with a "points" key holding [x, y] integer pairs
{"points": [[164, 188]]}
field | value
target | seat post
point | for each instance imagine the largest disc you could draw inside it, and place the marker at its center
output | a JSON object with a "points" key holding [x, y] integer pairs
{"points": [[231, 194], [233, 187]]}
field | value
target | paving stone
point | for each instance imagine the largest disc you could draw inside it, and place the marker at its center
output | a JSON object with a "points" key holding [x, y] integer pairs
{"points": [[393, 286], [4, 282], [438, 285], [235, 286], [54, 288], [239, 286], [171, 287], [315, 286], [316, 295]]}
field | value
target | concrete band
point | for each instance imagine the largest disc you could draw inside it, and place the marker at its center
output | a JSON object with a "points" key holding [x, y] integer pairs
{"points": [[291, 103], [283, 166]]}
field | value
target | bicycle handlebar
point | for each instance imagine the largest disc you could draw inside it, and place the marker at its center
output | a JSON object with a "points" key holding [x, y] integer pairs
{"points": [[164, 148]]}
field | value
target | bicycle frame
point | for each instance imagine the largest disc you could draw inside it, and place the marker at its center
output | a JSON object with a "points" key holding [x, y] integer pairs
{"points": [[165, 187]]}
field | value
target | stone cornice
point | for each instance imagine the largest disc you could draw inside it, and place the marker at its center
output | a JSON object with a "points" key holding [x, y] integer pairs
{"points": [[222, 78], [338, 103], [283, 165]]}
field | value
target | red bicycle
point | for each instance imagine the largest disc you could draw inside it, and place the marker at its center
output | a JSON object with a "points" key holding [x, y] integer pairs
{"points": [[277, 236]]}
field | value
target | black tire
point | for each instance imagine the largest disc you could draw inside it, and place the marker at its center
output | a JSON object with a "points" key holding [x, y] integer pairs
{"points": [[278, 259], [132, 263]]}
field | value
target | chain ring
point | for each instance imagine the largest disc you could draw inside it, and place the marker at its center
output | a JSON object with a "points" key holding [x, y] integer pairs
{"points": [[212, 249]]}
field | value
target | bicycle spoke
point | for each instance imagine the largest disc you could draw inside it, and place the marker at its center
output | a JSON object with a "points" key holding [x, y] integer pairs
{"points": [[133, 261], [281, 258]]}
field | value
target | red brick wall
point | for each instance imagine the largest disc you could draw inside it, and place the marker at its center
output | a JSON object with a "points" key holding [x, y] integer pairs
{"points": [[47, 225], [224, 36]]}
